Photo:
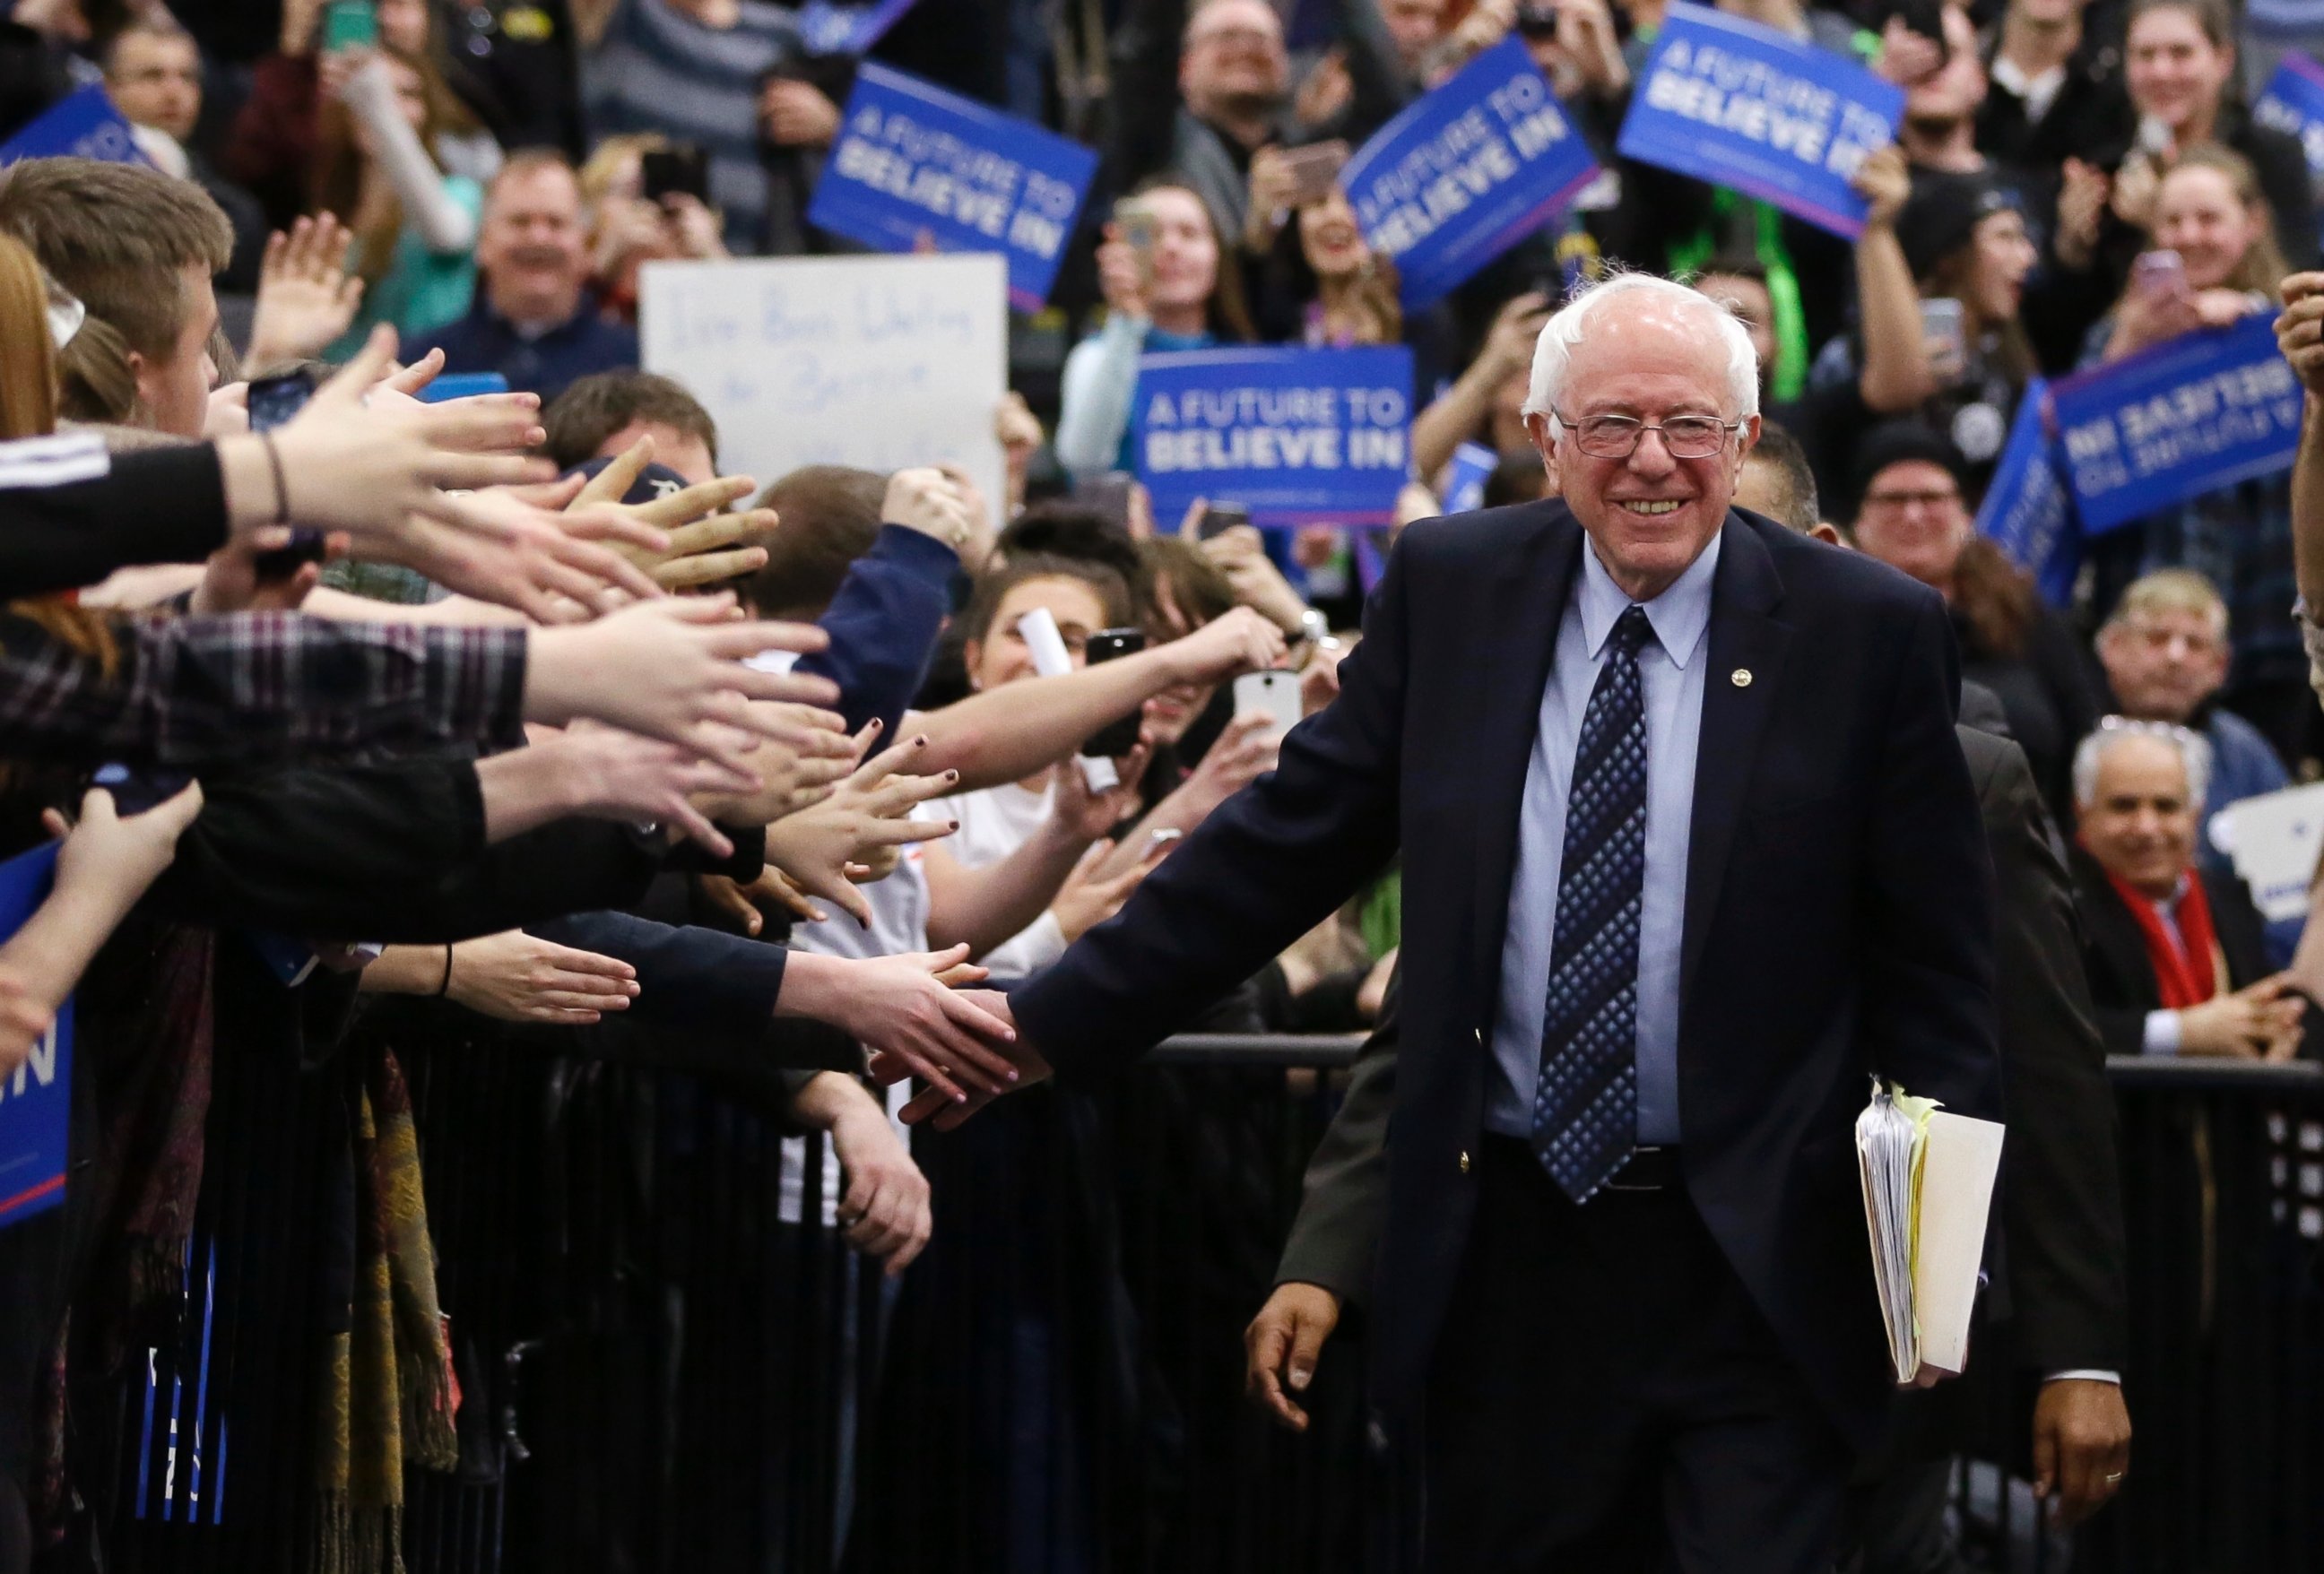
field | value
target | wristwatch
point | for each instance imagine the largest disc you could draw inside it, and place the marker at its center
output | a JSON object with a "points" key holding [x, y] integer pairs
{"points": [[1314, 627]]}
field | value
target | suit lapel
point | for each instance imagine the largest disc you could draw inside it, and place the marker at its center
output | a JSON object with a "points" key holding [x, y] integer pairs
{"points": [[1745, 638], [1527, 604]]}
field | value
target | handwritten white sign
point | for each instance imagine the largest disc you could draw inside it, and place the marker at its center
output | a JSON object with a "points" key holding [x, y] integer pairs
{"points": [[2274, 840], [881, 363]]}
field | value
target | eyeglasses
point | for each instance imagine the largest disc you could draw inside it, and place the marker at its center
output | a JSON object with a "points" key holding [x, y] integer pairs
{"points": [[1898, 501], [1616, 437]]}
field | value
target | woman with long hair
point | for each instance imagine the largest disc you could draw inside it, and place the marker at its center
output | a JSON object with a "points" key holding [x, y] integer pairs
{"points": [[383, 114], [2214, 263], [1169, 284], [2179, 63]]}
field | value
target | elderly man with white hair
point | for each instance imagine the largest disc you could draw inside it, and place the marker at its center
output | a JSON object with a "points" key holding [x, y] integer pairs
{"points": [[1690, 856], [2175, 954]]}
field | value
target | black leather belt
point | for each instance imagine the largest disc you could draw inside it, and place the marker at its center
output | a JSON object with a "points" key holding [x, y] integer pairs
{"points": [[1649, 1169]]}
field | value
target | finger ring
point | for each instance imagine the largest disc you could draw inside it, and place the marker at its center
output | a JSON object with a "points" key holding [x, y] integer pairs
{"points": [[2114, 1477]]}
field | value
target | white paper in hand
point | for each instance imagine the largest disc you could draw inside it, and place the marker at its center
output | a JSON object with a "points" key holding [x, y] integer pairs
{"points": [[1928, 1190]]}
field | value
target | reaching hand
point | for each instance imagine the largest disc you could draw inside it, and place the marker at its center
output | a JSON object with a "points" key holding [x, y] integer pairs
{"points": [[231, 583], [2136, 184], [664, 667], [23, 1019], [2081, 1446], [1245, 750], [1885, 183], [613, 775], [1088, 898], [518, 978], [307, 298], [1224, 648], [931, 501], [370, 472], [518, 554], [701, 548], [744, 904], [2299, 330], [943, 1101], [116, 857], [803, 753], [860, 827], [1240, 554], [884, 1212], [1281, 1346], [906, 1012], [1078, 815]]}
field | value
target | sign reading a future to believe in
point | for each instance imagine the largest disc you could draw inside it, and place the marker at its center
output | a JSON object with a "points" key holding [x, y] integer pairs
{"points": [[913, 160], [2191, 415], [1739, 104], [36, 1102], [1298, 437], [1467, 173]]}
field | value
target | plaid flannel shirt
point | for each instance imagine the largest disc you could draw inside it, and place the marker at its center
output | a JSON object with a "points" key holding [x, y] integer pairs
{"points": [[258, 687]]}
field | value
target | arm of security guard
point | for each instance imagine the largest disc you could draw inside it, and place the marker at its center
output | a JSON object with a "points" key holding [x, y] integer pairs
{"points": [[1343, 1200]]}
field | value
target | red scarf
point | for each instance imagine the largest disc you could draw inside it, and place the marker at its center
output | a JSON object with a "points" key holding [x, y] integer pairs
{"points": [[2186, 976]]}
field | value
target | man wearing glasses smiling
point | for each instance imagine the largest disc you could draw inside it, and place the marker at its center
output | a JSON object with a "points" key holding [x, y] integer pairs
{"points": [[1690, 853]]}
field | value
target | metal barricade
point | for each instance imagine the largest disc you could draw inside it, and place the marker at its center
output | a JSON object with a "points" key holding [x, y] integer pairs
{"points": [[669, 1361]]}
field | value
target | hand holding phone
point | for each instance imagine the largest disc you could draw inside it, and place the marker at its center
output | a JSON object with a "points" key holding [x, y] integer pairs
{"points": [[1273, 693], [275, 400], [1119, 736], [1943, 330], [1219, 517], [1313, 170]]}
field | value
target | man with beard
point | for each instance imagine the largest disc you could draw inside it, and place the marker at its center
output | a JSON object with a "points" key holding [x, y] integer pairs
{"points": [[1203, 88], [534, 321]]}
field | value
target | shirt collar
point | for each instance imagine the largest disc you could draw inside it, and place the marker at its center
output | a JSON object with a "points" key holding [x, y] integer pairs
{"points": [[1679, 615]]}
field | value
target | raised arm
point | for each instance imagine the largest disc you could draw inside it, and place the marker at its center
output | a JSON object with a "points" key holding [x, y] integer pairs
{"points": [[1008, 734], [2300, 332]]}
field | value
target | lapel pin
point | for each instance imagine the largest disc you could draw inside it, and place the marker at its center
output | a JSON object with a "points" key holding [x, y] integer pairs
{"points": [[1741, 677]]}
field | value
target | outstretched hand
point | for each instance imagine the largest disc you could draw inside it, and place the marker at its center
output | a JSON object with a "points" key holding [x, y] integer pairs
{"points": [[944, 1103]]}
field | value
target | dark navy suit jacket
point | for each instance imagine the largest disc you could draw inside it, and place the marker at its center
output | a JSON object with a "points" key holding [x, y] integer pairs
{"points": [[1838, 914]]}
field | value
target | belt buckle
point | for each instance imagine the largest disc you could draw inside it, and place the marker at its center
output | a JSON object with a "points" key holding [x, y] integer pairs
{"points": [[1615, 1184]]}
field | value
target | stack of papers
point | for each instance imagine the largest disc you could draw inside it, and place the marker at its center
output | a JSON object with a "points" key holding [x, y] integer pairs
{"points": [[1928, 1187]]}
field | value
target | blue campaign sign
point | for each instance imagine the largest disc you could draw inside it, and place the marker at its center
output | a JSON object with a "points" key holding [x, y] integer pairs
{"points": [[2190, 415], [1741, 105], [80, 125], [36, 1103], [1298, 437], [2027, 511], [1464, 486], [1467, 173], [2293, 104], [914, 160]]}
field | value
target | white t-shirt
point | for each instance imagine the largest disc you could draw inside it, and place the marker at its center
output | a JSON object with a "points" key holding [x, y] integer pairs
{"points": [[995, 823]]}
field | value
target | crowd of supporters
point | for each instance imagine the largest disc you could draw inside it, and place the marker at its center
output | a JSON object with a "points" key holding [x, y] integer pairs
{"points": [[513, 703]]}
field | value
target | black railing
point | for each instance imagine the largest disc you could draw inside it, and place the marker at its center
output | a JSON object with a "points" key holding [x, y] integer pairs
{"points": [[669, 1361]]}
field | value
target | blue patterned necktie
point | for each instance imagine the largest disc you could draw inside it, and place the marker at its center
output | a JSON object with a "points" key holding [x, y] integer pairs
{"points": [[1585, 1109]]}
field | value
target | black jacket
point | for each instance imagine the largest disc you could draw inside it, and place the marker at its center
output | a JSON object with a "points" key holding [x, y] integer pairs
{"points": [[2062, 1208], [1839, 909], [2121, 980]]}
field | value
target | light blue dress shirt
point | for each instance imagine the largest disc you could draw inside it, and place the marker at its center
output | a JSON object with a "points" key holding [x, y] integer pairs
{"points": [[1670, 672]]}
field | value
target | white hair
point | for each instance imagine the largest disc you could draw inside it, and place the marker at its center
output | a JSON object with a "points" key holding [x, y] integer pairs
{"points": [[1553, 351], [2194, 755]]}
